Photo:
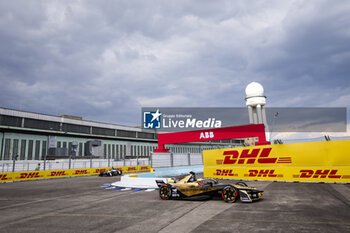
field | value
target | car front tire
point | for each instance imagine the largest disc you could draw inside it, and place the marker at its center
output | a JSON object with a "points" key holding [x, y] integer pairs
{"points": [[230, 194]]}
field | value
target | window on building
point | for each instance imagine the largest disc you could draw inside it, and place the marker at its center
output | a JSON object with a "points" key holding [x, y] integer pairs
{"points": [[41, 124], [30, 150], [113, 151], [10, 121], [7, 149], [103, 131], [75, 128], [37, 150], [145, 135], [70, 148], [23, 150], [15, 148], [125, 133], [80, 149], [44, 149]]}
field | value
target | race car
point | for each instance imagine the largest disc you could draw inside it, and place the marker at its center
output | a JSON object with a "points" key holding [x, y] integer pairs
{"points": [[190, 187], [112, 172]]}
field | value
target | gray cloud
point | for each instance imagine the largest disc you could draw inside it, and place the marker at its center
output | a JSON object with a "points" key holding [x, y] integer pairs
{"points": [[104, 60]]}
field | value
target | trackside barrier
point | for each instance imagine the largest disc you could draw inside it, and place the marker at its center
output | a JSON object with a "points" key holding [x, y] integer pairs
{"points": [[327, 161], [130, 181], [35, 175]]}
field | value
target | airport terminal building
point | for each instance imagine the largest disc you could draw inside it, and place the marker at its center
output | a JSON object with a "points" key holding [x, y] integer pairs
{"points": [[32, 136]]}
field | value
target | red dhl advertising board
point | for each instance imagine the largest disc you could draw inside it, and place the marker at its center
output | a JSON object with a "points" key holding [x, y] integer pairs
{"points": [[327, 161], [35, 175]]}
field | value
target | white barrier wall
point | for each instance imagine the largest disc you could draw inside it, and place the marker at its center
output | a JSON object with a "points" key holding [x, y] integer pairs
{"points": [[137, 182], [174, 160], [196, 159], [180, 160], [161, 160]]}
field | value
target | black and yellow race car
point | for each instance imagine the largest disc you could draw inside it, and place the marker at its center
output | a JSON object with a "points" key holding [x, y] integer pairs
{"points": [[189, 187]]}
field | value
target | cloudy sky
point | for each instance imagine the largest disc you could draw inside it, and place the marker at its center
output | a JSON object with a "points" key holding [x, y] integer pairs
{"points": [[104, 60]]}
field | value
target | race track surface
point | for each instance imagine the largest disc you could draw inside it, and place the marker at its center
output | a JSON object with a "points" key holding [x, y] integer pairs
{"points": [[81, 205]]}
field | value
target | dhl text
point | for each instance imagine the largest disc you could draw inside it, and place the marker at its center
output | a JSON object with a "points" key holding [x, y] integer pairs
{"points": [[251, 156]]}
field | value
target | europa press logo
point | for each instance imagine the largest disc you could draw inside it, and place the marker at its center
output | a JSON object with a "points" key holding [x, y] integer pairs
{"points": [[152, 120]]}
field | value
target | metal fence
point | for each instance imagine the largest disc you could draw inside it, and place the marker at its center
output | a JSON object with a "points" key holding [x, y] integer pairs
{"points": [[32, 165]]}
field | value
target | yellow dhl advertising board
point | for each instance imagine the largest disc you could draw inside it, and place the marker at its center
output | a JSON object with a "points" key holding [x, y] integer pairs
{"points": [[35, 175], [327, 161]]}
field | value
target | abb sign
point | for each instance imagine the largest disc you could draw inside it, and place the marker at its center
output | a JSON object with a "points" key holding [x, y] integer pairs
{"points": [[206, 135], [242, 131], [247, 156]]}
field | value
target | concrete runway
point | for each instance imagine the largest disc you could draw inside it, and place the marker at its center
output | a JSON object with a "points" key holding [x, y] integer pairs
{"points": [[81, 205]]}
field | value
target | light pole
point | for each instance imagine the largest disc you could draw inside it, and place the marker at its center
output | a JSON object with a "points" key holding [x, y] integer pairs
{"points": [[14, 158]]}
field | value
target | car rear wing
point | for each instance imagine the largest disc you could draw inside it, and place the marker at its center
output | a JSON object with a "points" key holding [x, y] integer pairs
{"points": [[160, 183]]}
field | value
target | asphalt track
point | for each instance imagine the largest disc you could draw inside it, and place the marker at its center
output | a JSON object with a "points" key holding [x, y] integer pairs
{"points": [[81, 205]]}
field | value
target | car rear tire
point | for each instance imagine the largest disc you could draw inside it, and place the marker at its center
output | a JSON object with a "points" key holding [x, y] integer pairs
{"points": [[229, 194], [165, 192]]}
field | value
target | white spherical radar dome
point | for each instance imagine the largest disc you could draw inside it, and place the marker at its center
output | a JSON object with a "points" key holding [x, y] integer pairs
{"points": [[254, 89]]}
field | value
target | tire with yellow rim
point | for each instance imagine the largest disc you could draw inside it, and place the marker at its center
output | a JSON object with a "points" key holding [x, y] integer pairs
{"points": [[165, 192], [229, 194]]}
